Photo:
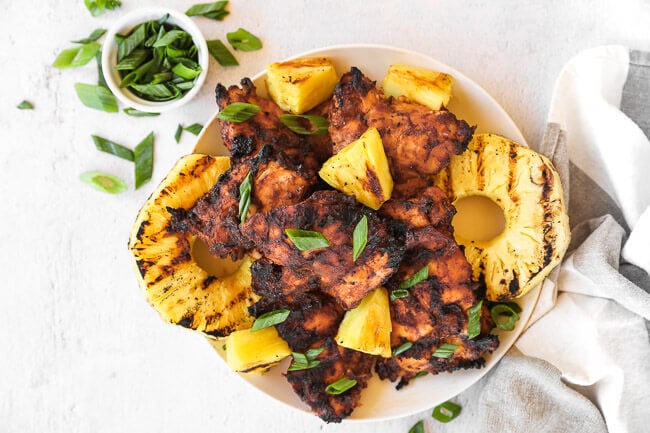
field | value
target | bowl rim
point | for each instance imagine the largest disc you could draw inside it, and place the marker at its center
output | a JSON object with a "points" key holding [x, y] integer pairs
{"points": [[126, 24]]}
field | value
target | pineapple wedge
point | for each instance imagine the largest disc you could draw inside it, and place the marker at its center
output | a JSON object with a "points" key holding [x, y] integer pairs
{"points": [[181, 291], [299, 85], [424, 86], [527, 187], [367, 327], [361, 170], [255, 352]]}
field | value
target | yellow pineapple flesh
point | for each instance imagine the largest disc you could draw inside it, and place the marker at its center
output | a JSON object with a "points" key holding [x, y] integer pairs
{"points": [[255, 351], [424, 86]]}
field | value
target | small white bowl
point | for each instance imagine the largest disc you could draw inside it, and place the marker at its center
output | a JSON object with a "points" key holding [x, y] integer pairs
{"points": [[127, 23]]}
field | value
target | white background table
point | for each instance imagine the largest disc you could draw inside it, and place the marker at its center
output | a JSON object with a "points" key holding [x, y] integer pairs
{"points": [[80, 349]]}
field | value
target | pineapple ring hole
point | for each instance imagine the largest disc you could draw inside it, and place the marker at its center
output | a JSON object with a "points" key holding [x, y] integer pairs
{"points": [[478, 219], [214, 266]]}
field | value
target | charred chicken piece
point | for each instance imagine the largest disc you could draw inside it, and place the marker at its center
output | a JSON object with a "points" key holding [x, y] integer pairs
{"points": [[418, 141], [429, 207], [335, 216]]}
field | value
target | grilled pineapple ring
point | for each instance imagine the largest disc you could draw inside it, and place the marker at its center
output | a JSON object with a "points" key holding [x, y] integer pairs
{"points": [[174, 284], [527, 188]]}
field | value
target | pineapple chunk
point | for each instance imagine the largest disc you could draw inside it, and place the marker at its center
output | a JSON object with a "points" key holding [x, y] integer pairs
{"points": [[299, 85], [424, 86], [255, 352], [367, 328], [361, 170]]}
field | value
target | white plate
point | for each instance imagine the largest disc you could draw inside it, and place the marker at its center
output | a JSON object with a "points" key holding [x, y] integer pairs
{"points": [[380, 400]]}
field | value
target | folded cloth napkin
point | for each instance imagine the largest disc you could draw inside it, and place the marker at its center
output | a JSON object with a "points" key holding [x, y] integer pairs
{"points": [[583, 362]]}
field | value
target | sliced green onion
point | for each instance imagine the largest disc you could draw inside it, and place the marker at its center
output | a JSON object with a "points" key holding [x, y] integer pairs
{"points": [[97, 97], [78, 56], [187, 70], [420, 374], [96, 34], [418, 427], [244, 40], [223, 346], [25, 105], [245, 193], [317, 124], [143, 156], [504, 316], [313, 353], [221, 53], [132, 41], [179, 132], [446, 411], [157, 92], [359, 238], [172, 36], [306, 240], [104, 182], [270, 319], [399, 293], [304, 361], [418, 277], [215, 11], [445, 350], [133, 60], [194, 128], [340, 386], [238, 112], [137, 113], [101, 81], [474, 320], [98, 7], [113, 148], [403, 348]]}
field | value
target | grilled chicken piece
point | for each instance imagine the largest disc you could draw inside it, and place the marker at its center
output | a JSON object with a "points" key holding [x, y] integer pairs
{"points": [[418, 141], [435, 312], [430, 207], [335, 216]]}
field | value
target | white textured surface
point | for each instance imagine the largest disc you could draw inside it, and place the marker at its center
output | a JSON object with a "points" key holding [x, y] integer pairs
{"points": [[80, 348]]}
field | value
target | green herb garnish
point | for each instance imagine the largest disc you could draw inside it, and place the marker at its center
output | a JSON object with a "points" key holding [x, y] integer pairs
{"points": [[307, 360], [474, 320], [445, 350], [270, 319], [77, 56], [446, 411], [504, 315], [403, 348], [238, 112], [97, 97], [359, 238], [98, 7], [178, 133], [104, 182], [137, 113], [244, 40], [25, 105], [96, 34], [306, 240], [143, 157], [221, 53], [340, 386], [398, 293], [418, 427], [194, 128], [113, 148], [418, 277], [245, 193], [317, 124], [216, 11]]}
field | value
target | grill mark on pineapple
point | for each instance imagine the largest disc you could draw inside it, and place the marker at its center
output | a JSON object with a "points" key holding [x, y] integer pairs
{"points": [[207, 281], [199, 167], [371, 183], [186, 322], [549, 232], [512, 170], [480, 164], [142, 230]]}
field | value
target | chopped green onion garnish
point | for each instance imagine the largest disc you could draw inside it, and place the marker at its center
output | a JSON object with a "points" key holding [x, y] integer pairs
{"points": [[223, 347], [194, 128], [78, 56], [97, 7], [104, 182], [179, 131], [215, 11], [398, 293], [270, 319], [137, 113], [97, 97], [143, 154], [221, 53], [96, 34], [340, 386], [418, 277], [245, 193], [306, 240], [25, 105], [403, 348], [359, 238], [101, 81], [304, 361], [445, 350], [244, 40], [113, 148], [504, 316], [317, 124], [446, 411], [238, 112], [418, 427], [420, 374], [474, 320]]}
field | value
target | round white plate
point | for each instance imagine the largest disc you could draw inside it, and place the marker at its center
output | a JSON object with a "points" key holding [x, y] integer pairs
{"points": [[380, 400]]}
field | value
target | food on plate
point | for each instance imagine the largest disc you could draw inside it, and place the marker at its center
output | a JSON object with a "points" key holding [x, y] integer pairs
{"points": [[255, 351], [424, 86], [299, 85], [360, 169], [527, 187], [174, 284], [367, 327]]}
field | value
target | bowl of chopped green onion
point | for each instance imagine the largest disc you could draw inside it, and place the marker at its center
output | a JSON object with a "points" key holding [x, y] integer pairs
{"points": [[155, 59]]}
